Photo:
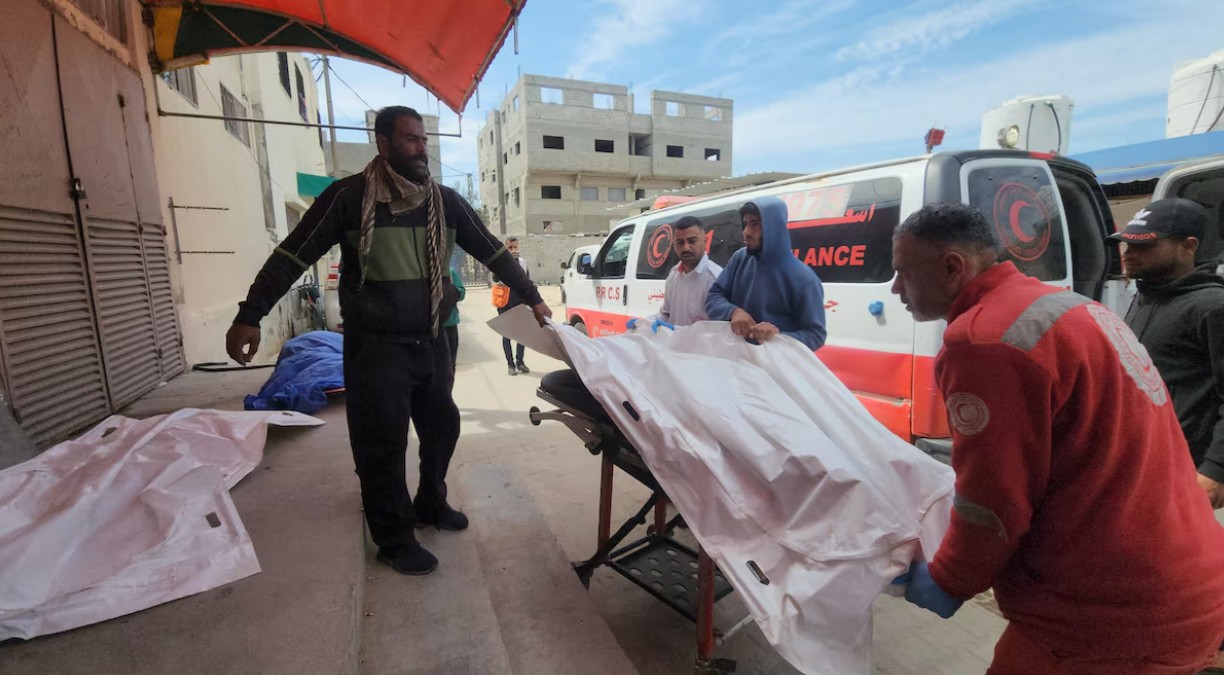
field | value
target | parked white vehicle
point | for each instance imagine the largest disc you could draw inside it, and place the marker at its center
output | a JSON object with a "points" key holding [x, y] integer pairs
{"points": [[1049, 213]]}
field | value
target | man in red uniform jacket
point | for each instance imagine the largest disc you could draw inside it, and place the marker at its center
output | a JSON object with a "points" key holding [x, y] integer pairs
{"points": [[1076, 499]]}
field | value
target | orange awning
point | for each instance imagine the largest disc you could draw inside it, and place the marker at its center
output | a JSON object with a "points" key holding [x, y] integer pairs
{"points": [[444, 45]]}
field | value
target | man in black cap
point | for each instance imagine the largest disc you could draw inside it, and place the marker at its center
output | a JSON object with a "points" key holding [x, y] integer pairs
{"points": [[1179, 317]]}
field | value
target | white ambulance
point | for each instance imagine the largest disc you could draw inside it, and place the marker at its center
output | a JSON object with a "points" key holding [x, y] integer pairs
{"points": [[1049, 213]]}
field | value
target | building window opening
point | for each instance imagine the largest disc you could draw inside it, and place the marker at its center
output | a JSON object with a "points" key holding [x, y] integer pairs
{"points": [[232, 107]]}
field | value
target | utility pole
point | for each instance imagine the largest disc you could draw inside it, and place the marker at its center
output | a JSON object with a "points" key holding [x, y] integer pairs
{"points": [[501, 169], [331, 116], [335, 172]]}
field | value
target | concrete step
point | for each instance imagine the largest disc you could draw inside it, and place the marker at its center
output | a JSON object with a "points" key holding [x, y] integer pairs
{"points": [[504, 600], [303, 512]]}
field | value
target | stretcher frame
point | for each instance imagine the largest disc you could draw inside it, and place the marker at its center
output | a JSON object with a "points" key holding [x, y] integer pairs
{"points": [[604, 440]]}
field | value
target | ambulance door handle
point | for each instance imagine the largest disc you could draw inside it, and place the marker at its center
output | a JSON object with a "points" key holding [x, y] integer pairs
{"points": [[625, 296]]}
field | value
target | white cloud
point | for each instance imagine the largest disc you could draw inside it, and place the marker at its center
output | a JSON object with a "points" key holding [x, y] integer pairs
{"points": [[716, 86], [775, 36], [911, 35], [878, 104], [786, 35], [627, 25]]}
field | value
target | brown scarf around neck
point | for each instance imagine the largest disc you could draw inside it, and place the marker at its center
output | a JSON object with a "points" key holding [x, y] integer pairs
{"points": [[384, 185]]}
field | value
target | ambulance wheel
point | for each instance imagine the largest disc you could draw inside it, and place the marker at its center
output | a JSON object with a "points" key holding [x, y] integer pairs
{"points": [[580, 326]]}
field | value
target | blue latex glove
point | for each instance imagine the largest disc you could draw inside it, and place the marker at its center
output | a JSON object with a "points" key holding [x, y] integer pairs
{"points": [[654, 327], [922, 590], [630, 324]]}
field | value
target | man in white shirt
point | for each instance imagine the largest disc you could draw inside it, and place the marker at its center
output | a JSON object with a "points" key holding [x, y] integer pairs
{"points": [[689, 282]]}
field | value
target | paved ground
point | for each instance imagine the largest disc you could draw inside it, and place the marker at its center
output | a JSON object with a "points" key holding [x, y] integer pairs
{"points": [[563, 479], [504, 599], [302, 511]]}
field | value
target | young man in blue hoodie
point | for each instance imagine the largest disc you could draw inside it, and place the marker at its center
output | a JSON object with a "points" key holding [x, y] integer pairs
{"points": [[764, 290]]}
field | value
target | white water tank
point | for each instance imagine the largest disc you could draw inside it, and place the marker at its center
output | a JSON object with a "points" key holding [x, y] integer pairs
{"points": [[1035, 123], [1196, 97]]}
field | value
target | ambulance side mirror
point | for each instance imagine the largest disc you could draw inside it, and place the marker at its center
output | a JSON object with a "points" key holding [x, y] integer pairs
{"points": [[584, 265]]}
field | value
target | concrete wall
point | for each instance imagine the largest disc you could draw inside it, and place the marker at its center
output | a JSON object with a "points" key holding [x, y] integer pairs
{"points": [[693, 130], [575, 214], [199, 163], [510, 147], [545, 253]]}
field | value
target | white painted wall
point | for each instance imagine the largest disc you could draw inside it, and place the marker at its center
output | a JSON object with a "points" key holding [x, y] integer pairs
{"points": [[199, 163], [290, 149]]}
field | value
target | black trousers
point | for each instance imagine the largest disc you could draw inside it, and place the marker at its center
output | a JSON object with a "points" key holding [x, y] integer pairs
{"points": [[516, 356], [387, 385], [452, 339]]}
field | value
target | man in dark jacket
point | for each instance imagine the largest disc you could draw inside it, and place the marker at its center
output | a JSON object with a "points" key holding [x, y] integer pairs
{"points": [[1179, 317], [764, 290], [514, 359], [396, 229]]}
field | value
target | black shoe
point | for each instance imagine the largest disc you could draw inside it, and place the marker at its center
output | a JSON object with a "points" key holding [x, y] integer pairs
{"points": [[512, 370], [441, 516], [410, 559], [522, 368]]}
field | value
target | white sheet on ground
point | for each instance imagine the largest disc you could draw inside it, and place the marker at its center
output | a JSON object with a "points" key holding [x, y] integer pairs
{"points": [[771, 459], [132, 514]]}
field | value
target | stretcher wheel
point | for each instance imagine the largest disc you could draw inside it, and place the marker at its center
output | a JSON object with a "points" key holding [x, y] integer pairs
{"points": [[714, 667], [533, 414]]}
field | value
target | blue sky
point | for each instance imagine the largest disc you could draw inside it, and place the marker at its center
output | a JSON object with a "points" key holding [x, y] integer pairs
{"points": [[818, 85]]}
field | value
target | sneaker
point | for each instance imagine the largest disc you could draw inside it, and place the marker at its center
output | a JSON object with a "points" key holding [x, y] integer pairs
{"points": [[410, 559], [512, 370], [442, 517], [522, 368]]}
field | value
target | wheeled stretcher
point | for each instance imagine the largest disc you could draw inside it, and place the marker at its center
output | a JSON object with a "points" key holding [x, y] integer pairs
{"points": [[683, 579]]}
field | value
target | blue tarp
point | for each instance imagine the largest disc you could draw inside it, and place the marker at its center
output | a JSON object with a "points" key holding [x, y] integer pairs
{"points": [[309, 364], [1147, 161]]}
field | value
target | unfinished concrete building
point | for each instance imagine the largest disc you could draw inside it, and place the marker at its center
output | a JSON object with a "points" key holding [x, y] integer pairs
{"points": [[563, 156]]}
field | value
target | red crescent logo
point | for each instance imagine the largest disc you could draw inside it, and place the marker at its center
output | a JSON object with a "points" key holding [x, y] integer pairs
{"points": [[1022, 222], [1013, 217], [659, 246]]}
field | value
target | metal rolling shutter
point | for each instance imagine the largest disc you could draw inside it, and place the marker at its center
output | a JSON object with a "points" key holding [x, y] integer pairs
{"points": [[125, 316], [101, 96], [50, 361], [53, 366], [165, 318]]}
